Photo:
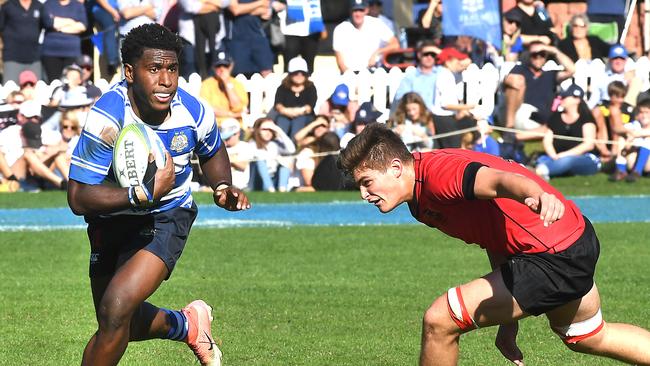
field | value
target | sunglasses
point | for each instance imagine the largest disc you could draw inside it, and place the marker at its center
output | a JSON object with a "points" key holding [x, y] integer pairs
{"points": [[513, 22], [578, 25], [429, 54], [68, 127], [28, 84], [538, 54]]}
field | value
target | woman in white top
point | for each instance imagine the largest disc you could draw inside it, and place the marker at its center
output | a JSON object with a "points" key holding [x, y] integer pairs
{"points": [[450, 114], [271, 169], [413, 122]]}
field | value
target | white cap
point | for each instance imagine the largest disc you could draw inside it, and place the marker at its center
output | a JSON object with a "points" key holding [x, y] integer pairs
{"points": [[297, 64], [30, 108], [229, 127]]}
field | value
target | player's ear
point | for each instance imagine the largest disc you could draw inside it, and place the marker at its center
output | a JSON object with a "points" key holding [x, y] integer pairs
{"points": [[128, 73], [396, 167]]}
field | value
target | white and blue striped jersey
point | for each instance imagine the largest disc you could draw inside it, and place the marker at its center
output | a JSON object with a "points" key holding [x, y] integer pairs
{"points": [[191, 128]]}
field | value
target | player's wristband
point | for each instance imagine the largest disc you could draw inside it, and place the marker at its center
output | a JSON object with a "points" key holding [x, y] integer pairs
{"points": [[146, 194], [133, 198]]}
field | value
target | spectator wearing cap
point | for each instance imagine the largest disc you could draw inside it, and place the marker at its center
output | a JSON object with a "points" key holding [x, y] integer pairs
{"points": [[450, 113], [564, 157], [246, 40], [528, 91], [339, 109], [107, 19], [536, 25], [366, 114], [303, 28], [225, 94], [85, 62], [578, 45], [71, 83], [512, 44], [376, 10], [20, 28], [616, 70], [27, 81], [64, 22], [240, 153], [360, 42], [295, 98], [421, 80]]}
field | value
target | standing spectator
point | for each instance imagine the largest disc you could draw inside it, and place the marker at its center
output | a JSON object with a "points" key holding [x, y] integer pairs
{"points": [[360, 42], [207, 22], [413, 122], [431, 19], [135, 13], [271, 169], [578, 45], [303, 28], [536, 25], [107, 18], [563, 157], [295, 98], [450, 113], [64, 22], [376, 10], [20, 26], [422, 80], [529, 91], [225, 94], [246, 40], [188, 8], [240, 153]]}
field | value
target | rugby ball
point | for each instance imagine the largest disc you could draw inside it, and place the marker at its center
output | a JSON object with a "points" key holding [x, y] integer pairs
{"points": [[131, 154]]}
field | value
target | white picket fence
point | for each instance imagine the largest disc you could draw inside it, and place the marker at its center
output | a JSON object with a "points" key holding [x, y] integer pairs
{"points": [[481, 85]]}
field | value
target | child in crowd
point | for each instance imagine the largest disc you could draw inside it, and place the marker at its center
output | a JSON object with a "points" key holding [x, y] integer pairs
{"points": [[413, 122], [271, 169], [634, 148]]}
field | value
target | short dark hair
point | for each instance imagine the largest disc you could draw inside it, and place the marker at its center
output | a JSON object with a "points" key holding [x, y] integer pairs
{"points": [[374, 148], [152, 35], [643, 103], [425, 43]]}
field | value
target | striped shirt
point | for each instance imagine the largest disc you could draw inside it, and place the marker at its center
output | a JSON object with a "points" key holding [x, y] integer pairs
{"points": [[191, 128]]}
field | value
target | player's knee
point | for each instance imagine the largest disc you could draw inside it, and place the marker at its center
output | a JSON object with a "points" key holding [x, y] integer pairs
{"points": [[435, 321], [113, 314], [584, 336]]}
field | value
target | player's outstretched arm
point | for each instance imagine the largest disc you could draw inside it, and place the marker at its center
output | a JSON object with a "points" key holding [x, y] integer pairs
{"points": [[492, 183], [217, 171]]}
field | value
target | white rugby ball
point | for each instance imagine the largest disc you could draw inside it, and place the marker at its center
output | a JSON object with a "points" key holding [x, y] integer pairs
{"points": [[131, 154]]}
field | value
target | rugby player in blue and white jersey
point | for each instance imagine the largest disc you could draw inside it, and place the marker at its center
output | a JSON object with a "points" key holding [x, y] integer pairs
{"points": [[136, 234]]}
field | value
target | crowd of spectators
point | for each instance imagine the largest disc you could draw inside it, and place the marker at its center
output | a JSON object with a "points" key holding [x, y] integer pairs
{"points": [[294, 146]]}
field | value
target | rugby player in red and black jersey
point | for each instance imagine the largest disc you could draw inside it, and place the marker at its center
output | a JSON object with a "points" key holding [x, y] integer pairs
{"points": [[542, 250]]}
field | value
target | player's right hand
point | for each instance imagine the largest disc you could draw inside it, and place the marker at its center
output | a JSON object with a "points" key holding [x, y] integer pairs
{"points": [[506, 343], [548, 206]]}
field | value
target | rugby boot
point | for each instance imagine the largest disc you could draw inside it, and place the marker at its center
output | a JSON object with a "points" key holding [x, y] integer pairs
{"points": [[199, 333]]}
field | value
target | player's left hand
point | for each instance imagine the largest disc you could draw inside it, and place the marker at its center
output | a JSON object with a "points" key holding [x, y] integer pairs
{"points": [[549, 207], [231, 198], [506, 343]]}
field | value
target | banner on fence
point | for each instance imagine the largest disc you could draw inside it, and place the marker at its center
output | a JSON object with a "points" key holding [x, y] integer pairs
{"points": [[476, 18]]}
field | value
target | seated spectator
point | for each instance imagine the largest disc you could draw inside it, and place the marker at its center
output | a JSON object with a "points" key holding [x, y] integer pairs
{"points": [[85, 62], [578, 45], [27, 81], [340, 109], [376, 10], [240, 153], [64, 21], [616, 71], [366, 114], [567, 157], [431, 19], [295, 98], [413, 122], [70, 129], [9, 109], [72, 99], [360, 42], [536, 25], [310, 133], [528, 92], [271, 169], [611, 117], [316, 165], [449, 113], [512, 45], [225, 94], [422, 80], [71, 84], [634, 148]]}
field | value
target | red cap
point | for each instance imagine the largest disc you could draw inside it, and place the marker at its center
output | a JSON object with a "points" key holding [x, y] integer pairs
{"points": [[27, 76], [449, 53]]}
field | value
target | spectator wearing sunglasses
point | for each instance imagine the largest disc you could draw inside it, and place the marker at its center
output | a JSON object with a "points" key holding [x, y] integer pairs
{"points": [[422, 80], [528, 92], [295, 98], [578, 45]]}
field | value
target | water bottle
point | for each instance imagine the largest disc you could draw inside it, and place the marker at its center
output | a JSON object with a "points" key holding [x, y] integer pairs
{"points": [[542, 13], [403, 39]]}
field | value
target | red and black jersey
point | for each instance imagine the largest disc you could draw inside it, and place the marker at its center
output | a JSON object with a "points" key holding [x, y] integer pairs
{"points": [[444, 199]]}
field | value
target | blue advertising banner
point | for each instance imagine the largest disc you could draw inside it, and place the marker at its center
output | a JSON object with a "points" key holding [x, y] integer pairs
{"points": [[476, 18]]}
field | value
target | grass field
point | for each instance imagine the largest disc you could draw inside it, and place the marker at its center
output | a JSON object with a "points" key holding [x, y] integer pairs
{"points": [[296, 296]]}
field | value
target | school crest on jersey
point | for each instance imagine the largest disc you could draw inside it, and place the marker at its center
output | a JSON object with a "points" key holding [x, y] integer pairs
{"points": [[179, 142]]}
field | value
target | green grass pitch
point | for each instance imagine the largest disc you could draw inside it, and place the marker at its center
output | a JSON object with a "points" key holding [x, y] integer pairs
{"points": [[296, 296]]}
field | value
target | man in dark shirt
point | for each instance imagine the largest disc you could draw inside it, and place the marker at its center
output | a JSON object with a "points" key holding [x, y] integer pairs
{"points": [[245, 38], [528, 91], [535, 23], [20, 25]]}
